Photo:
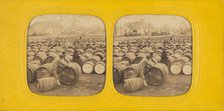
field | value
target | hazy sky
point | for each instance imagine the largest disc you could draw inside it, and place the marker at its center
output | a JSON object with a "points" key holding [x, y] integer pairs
{"points": [[68, 20], [156, 20]]}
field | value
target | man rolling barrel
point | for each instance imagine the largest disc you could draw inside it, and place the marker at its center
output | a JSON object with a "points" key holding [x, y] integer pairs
{"points": [[54, 68], [149, 61]]}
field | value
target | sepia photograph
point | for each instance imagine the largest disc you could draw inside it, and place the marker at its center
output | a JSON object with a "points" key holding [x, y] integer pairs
{"points": [[152, 55], [66, 55]]}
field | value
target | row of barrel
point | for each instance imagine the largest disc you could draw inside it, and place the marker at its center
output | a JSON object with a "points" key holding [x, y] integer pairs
{"points": [[154, 42], [128, 75], [43, 74], [41, 59], [91, 61], [179, 61]]}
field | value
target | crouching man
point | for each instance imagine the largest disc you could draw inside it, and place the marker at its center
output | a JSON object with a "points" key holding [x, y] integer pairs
{"points": [[149, 61], [55, 68]]}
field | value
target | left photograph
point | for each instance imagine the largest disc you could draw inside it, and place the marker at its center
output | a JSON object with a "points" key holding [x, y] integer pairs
{"points": [[66, 55]]}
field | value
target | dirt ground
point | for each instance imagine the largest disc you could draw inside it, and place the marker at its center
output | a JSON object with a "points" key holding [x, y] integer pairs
{"points": [[88, 84], [91, 84], [174, 85]]}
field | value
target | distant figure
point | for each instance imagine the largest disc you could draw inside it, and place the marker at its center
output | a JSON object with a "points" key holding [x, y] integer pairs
{"points": [[76, 56], [165, 43], [164, 58], [80, 37]]}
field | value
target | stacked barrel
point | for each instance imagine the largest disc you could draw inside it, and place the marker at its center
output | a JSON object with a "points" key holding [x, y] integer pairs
{"points": [[127, 54], [50, 56], [93, 61]]}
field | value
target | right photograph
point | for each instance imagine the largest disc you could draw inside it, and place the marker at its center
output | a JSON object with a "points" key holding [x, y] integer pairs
{"points": [[152, 55]]}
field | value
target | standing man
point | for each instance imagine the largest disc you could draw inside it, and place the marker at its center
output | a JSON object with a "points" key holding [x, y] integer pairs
{"points": [[164, 58], [76, 56]]}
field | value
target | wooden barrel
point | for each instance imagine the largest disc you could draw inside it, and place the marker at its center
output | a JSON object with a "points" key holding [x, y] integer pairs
{"points": [[133, 84], [97, 47], [70, 73], [59, 52], [169, 52], [157, 74], [43, 49], [35, 62], [120, 54], [133, 49], [115, 55], [51, 57], [139, 57], [88, 66], [87, 55], [187, 51], [69, 52], [187, 68], [82, 60], [157, 57], [183, 59], [158, 52], [100, 67], [94, 59], [46, 84], [124, 49], [188, 55], [140, 51], [68, 58], [178, 51], [116, 49], [29, 59], [123, 62], [118, 71], [31, 53], [131, 72], [35, 49], [41, 56], [44, 71], [176, 67], [51, 51], [177, 55], [80, 46], [117, 59], [129, 57], [104, 60], [170, 61], [89, 51], [99, 54], [98, 51], [32, 72], [147, 49], [80, 51]]}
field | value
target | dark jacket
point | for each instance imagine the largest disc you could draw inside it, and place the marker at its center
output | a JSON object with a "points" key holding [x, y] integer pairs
{"points": [[75, 56]]}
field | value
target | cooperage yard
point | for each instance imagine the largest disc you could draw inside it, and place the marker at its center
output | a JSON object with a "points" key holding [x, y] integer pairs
{"points": [[173, 86], [89, 84]]}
